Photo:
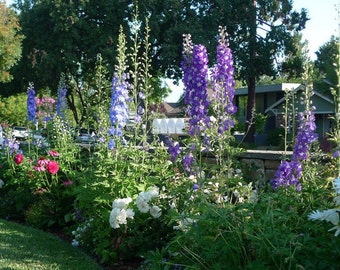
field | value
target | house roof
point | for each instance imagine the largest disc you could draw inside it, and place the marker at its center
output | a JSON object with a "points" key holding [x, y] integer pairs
{"points": [[323, 104], [267, 88]]}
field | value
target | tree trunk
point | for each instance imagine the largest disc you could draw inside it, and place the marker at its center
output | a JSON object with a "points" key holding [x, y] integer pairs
{"points": [[251, 105]]}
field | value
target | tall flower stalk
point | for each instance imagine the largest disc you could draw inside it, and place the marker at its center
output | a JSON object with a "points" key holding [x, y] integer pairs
{"points": [[31, 105], [290, 172], [195, 79], [120, 94], [61, 99], [223, 85]]}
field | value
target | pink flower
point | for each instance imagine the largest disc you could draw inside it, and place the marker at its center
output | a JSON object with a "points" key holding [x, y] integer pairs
{"points": [[68, 183], [39, 168], [53, 153], [18, 159], [52, 167], [42, 161]]}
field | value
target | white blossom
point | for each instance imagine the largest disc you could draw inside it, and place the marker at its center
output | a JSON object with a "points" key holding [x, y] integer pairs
{"points": [[336, 185], [1, 183], [119, 216], [155, 211], [142, 204], [121, 203], [330, 215]]}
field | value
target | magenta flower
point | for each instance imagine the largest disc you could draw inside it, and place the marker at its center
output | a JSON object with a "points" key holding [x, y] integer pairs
{"points": [[18, 159], [52, 167], [67, 183]]}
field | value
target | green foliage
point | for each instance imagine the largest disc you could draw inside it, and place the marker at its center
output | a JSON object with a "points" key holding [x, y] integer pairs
{"points": [[10, 45], [326, 66], [269, 233], [13, 110]]}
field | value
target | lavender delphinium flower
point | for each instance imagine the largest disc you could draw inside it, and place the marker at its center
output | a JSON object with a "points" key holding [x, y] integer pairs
{"points": [[31, 105], [224, 84], [187, 161], [173, 149], [11, 144], [61, 101], [195, 74], [288, 174], [305, 136], [119, 107]]}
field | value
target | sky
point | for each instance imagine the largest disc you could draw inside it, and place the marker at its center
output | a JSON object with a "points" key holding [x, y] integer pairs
{"points": [[324, 22]]}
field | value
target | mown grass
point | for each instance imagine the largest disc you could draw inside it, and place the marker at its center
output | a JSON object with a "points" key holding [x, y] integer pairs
{"points": [[26, 248]]}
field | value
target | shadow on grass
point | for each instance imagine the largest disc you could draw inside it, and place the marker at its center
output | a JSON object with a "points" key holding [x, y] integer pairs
{"points": [[27, 248]]}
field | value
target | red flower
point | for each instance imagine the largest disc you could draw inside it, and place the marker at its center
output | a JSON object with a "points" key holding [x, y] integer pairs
{"points": [[18, 159], [52, 167]]}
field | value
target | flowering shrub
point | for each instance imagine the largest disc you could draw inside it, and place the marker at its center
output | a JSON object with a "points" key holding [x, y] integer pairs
{"points": [[120, 213], [45, 108], [184, 205]]}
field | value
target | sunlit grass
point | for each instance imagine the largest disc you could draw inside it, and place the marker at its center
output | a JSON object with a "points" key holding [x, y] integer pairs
{"points": [[27, 248]]}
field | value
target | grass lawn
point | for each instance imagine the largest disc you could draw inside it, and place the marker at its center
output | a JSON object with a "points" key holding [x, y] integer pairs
{"points": [[25, 248]]}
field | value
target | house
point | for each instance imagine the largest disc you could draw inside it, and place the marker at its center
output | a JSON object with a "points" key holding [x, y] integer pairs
{"points": [[271, 101], [324, 109]]}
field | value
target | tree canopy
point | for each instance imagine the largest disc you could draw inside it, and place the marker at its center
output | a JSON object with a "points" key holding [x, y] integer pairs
{"points": [[325, 66], [66, 36], [10, 41]]}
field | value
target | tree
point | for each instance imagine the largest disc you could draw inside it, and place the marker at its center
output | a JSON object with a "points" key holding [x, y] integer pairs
{"points": [[66, 36], [10, 41], [260, 33], [325, 66], [13, 109]]}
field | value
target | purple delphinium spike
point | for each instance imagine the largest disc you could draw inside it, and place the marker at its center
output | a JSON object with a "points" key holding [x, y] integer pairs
{"points": [[119, 107], [306, 135], [195, 79], [187, 161], [61, 101], [289, 172], [31, 105], [224, 84]]}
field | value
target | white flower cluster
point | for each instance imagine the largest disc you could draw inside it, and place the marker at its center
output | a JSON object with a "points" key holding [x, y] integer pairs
{"points": [[1, 183], [330, 215], [79, 232], [120, 213], [143, 201], [184, 224]]}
